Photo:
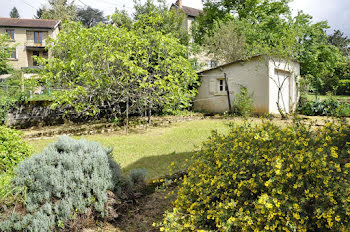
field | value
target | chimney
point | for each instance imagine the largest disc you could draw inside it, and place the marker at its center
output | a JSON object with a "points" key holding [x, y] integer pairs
{"points": [[179, 3]]}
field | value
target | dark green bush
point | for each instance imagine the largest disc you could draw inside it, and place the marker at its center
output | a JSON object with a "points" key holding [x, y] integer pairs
{"points": [[267, 178], [344, 87], [67, 179], [243, 104], [12, 149]]}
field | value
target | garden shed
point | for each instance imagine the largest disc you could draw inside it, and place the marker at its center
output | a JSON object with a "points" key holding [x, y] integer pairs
{"points": [[268, 80]]}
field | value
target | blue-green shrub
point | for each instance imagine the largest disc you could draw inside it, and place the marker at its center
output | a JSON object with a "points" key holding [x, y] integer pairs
{"points": [[327, 107], [69, 177]]}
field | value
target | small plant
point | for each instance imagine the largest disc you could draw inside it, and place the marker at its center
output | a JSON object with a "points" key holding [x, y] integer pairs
{"points": [[344, 110], [12, 149], [137, 176], [243, 104]]}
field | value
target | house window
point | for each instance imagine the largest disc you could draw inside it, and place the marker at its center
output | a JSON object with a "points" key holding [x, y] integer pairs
{"points": [[11, 53], [38, 37], [222, 85], [35, 53], [10, 33]]}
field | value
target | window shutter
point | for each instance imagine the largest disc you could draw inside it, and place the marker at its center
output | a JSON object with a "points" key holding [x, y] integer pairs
{"points": [[212, 86]]}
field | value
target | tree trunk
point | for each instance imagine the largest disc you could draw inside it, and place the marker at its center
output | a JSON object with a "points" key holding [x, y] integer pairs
{"points": [[127, 116], [280, 110], [149, 115]]}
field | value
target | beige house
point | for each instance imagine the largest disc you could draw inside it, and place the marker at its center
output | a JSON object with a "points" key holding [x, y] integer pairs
{"points": [[204, 61], [191, 13], [268, 81], [27, 38]]}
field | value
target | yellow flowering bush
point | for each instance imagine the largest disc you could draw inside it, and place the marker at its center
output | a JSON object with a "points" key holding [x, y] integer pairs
{"points": [[267, 178]]}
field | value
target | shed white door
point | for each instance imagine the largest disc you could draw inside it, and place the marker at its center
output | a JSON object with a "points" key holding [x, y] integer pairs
{"points": [[282, 82]]}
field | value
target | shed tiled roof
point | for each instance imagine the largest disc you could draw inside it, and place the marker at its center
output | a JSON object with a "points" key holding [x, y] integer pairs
{"points": [[29, 23], [191, 11]]}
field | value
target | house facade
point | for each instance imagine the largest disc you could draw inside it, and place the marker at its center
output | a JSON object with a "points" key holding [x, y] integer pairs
{"points": [[27, 38], [268, 81], [191, 13], [204, 61]]}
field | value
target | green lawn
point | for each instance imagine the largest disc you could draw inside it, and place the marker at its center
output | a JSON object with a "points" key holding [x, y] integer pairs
{"points": [[312, 97], [156, 148]]}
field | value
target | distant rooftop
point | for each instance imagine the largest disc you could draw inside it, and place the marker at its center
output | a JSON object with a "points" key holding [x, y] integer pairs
{"points": [[29, 23], [191, 11]]}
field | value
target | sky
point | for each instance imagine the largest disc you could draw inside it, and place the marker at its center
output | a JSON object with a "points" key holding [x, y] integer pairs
{"points": [[336, 12]]}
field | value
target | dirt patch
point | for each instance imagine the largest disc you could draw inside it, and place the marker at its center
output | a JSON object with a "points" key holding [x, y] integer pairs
{"points": [[137, 125], [140, 215]]}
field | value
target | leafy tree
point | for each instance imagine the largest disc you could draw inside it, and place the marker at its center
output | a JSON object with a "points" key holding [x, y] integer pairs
{"points": [[172, 21], [249, 27], [120, 18], [14, 13], [254, 10], [60, 10], [227, 43], [341, 41], [89, 16], [125, 70], [319, 60], [39, 13], [4, 55]]}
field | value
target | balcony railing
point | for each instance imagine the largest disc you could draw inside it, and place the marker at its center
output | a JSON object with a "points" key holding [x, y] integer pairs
{"points": [[31, 43]]}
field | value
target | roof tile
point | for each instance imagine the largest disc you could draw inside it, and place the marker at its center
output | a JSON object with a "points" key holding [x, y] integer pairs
{"points": [[30, 23]]}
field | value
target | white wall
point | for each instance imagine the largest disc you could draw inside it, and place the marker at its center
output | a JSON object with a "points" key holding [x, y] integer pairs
{"points": [[283, 75], [252, 74]]}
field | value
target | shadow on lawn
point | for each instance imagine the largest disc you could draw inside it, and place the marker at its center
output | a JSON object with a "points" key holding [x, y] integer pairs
{"points": [[158, 166], [152, 206]]}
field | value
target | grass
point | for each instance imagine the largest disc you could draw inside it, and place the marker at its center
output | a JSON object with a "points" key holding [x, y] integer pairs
{"points": [[154, 149], [311, 97]]}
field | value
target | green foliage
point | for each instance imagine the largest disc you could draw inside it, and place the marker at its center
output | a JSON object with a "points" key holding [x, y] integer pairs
{"points": [[60, 10], [4, 55], [341, 41], [140, 66], [12, 149], [344, 87], [232, 30], [10, 94], [14, 13], [89, 16], [243, 103], [120, 18], [251, 10], [69, 177], [5, 106], [171, 23], [227, 42], [267, 178], [328, 107], [320, 108], [343, 110]]}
